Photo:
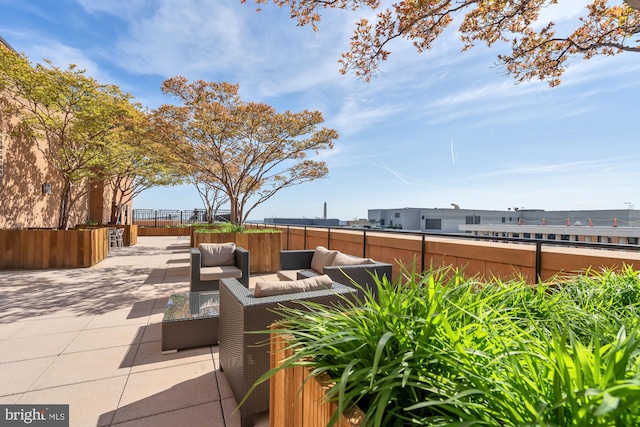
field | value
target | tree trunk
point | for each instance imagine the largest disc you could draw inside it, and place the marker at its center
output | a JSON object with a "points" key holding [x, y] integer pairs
{"points": [[65, 206], [113, 216], [233, 210]]}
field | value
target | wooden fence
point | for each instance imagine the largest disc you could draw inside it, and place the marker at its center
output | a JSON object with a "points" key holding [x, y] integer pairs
{"points": [[482, 257], [38, 249]]}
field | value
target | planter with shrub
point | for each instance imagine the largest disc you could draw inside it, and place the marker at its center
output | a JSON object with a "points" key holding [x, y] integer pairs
{"points": [[442, 349]]}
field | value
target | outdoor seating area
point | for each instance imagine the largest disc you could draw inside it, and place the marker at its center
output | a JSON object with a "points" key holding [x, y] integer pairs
{"points": [[92, 338], [129, 341]]}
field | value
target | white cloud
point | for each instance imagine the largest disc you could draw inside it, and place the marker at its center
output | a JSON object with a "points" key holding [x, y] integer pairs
{"points": [[62, 56], [121, 8], [564, 12], [192, 38]]}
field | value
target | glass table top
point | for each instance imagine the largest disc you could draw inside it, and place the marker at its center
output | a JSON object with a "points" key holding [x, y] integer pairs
{"points": [[192, 305]]}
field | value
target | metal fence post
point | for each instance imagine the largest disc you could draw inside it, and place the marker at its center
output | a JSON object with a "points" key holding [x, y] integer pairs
{"points": [[538, 261], [424, 251], [364, 243]]}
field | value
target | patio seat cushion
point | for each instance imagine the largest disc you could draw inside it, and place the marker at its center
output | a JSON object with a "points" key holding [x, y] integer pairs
{"points": [[322, 257], [344, 259], [283, 287], [288, 274], [220, 272], [216, 254]]}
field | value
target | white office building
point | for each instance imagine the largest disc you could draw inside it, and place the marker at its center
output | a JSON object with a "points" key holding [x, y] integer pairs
{"points": [[605, 226]]}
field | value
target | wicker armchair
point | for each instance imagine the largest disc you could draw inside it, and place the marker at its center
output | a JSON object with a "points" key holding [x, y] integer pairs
{"points": [[244, 356], [240, 270]]}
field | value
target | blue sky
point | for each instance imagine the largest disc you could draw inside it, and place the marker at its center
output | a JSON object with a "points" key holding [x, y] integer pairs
{"points": [[431, 129]]}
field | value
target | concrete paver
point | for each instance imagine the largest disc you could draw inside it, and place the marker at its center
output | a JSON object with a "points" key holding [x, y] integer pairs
{"points": [[91, 338]]}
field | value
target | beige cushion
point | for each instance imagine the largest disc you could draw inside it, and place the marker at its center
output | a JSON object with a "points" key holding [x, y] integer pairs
{"points": [[321, 258], [317, 283], [344, 259], [221, 272], [215, 254], [288, 274]]}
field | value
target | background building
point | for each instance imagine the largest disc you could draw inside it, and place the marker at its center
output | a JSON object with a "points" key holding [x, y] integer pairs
{"points": [[437, 220], [604, 226]]}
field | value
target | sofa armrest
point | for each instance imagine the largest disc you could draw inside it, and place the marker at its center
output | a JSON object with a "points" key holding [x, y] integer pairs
{"points": [[296, 259], [362, 274], [242, 262], [194, 265]]}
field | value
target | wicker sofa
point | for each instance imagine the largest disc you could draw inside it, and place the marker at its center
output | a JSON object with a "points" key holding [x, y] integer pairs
{"points": [[244, 356], [210, 262], [341, 267]]}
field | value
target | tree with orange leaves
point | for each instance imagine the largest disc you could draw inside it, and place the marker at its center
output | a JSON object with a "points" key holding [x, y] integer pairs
{"points": [[248, 149], [537, 51]]}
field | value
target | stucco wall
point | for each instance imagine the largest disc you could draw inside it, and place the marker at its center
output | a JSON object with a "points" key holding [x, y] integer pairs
{"points": [[25, 169]]}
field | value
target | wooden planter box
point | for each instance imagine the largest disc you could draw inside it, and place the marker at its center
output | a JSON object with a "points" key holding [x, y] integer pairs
{"points": [[264, 248], [296, 403], [37, 249], [192, 229], [164, 231]]}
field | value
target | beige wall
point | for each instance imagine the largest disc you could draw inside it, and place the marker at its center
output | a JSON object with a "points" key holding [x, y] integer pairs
{"points": [[24, 171], [22, 202]]}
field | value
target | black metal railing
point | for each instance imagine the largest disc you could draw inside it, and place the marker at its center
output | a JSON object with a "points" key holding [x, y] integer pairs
{"points": [[169, 218], [539, 243]]}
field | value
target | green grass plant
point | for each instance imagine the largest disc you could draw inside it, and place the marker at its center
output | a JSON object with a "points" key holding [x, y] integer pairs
{"points": [[442, 349], [227, 227]]}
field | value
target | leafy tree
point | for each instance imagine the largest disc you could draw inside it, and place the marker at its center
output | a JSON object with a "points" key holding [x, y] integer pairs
{"points": [[536, 50], [138, 159], [69, 116], [248, 149]]}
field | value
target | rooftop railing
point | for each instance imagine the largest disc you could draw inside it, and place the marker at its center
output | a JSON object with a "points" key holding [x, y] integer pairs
{"points": [[364, 233], [172, 218]]}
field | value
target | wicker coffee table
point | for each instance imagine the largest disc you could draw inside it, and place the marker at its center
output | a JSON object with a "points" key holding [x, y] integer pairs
{"points": [[191, 320]]}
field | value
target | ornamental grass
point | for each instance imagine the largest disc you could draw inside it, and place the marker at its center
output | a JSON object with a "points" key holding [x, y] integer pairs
{"points": [[227, 227], [442, 349]]}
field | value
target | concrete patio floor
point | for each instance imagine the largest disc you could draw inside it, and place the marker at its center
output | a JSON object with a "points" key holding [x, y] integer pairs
{"points": [[90, 338]]}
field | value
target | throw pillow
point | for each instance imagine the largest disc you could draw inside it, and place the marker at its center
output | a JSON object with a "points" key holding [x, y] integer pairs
{"points": [[321, 258], [344, 259], [270, 288], [215, 254]]}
